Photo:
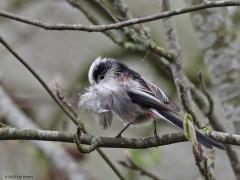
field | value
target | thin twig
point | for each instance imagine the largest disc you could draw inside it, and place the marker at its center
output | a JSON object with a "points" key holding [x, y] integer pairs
{"points": [[133, 37], [65, 103], [100, 28], [110, 163], [216, 124], [206, 93], [186, 104], [113, 36], [107, 10], [36, 75], [202, 163], [133, 40]]}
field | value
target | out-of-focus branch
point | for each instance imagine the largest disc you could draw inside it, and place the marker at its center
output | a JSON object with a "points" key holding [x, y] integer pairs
{"points": [[130, 164], [131, 39], [116, 38], [182, 87], [36, 75], [217, 125], [55, 154], [100, 28]]}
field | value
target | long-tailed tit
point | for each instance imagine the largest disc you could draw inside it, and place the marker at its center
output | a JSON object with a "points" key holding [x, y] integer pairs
{"points": [[117, 89]]}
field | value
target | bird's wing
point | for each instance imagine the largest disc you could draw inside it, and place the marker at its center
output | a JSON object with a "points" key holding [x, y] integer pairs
{"points": [[149, 88], [147, 99], [159, 94]]}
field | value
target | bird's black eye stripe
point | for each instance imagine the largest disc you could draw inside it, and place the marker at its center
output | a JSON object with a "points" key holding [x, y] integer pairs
{"points": [[101, 69]]}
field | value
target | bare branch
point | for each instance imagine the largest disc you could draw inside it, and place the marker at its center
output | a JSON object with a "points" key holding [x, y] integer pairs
{"points": [[186, 104], [101, 28], [59, 94], [116, 38], [109, 142]]}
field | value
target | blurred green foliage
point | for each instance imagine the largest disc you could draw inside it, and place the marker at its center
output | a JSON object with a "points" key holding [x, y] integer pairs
{"points": [[143, 158]]}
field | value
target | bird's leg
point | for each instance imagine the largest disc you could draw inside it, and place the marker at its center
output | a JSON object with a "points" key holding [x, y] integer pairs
{"points": [[155, 129], [119, 135]]}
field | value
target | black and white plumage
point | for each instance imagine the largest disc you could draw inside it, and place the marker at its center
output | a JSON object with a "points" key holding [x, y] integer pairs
{"points": [[117, 89]]}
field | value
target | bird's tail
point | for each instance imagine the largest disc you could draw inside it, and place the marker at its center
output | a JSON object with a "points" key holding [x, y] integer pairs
{"points": [[206, 141]]}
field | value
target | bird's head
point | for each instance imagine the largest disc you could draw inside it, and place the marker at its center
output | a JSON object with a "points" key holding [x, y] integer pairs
{"points": [[104, 69]]}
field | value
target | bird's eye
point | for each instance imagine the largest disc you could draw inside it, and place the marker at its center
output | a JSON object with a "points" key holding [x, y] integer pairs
{"points": [[100, 77]]}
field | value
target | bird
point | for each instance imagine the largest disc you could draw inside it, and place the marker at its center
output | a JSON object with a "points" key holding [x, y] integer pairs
{"points": [[115, 89]]}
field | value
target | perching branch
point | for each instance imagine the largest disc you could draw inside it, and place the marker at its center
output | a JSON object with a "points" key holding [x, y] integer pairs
{"points": [[100, 28], [110, 142]]}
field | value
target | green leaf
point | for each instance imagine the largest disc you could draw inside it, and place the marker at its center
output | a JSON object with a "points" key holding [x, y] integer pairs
{"points": [[147, 157], [189, 129], [155, 156], [186, 132], [137, 156]]}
